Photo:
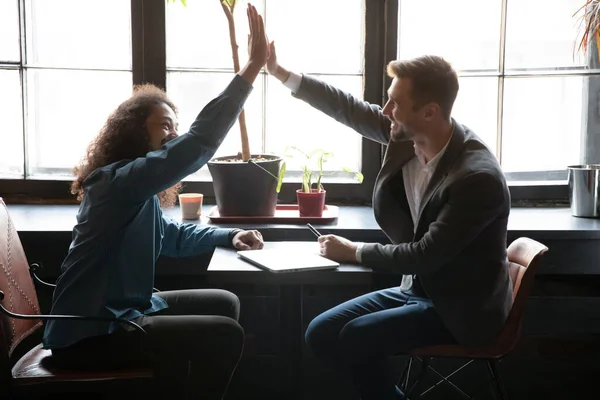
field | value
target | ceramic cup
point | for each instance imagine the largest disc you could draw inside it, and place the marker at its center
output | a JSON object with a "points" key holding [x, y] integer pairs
{"points": [[191, 205]]}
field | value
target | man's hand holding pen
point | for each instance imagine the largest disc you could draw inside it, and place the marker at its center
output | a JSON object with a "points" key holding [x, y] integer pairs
{"points": [[335, 247]]}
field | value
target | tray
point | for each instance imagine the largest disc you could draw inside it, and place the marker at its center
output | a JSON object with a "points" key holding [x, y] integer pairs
{"points": [[284, 214]]}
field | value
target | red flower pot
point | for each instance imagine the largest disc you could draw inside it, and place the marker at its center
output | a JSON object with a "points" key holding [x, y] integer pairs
{"points": [[311, 204]]}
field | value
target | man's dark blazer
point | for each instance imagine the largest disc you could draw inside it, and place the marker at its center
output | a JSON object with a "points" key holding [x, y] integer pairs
{"points": [[458, 250]]}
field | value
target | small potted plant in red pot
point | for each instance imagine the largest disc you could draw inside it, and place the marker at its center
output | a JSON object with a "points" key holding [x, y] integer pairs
{"points": [[311, 195]]}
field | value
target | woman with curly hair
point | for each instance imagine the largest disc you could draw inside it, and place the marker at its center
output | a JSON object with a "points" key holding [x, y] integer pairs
{"points": [[133, 166]]}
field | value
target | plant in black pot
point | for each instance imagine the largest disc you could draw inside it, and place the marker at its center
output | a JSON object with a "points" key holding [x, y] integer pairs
{"points": [[242, 189], [311, 195]]}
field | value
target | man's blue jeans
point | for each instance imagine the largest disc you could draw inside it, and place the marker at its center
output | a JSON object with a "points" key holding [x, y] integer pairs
{"points": [[360, 335]]}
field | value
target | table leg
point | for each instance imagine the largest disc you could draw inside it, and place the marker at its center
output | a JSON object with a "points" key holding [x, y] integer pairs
{"points": [[291, 338]]}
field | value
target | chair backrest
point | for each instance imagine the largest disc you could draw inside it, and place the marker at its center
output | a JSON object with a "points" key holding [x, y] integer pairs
{"points": [[15, 281], [524, 257]]}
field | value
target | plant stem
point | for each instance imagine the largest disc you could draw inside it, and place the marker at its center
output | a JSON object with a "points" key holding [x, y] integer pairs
{"points": [[236, 68]]}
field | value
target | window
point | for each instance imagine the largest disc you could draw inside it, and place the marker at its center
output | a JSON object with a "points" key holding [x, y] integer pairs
{"points": [[199, 66], [66, 64], [521, 81], [58, 87], [11, 150]]}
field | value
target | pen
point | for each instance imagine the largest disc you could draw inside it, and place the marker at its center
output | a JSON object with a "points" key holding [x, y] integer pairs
{"points": [[313, 230]]}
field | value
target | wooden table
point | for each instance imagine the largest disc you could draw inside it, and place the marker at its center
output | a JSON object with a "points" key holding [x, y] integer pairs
{"points": [[225, 268]]}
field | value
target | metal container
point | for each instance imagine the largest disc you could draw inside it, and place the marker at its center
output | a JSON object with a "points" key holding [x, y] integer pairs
{"points": [[584, 190]]}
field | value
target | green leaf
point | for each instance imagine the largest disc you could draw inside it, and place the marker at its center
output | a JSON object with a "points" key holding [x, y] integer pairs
{"points": [[306, 187], [184, 2], [297, 150], [313, 169], [306, 179], [358, 175], [315, 152], [230, 3], [281, 174]]}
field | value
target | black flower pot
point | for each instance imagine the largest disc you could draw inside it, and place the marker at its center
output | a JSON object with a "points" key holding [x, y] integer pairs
{"points": [[245, 189]]}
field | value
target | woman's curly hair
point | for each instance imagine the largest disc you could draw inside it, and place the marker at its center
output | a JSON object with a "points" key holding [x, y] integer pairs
{"points": [[123, 136]]}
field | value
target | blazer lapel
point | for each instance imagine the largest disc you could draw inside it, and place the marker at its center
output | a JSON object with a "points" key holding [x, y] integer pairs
{"points": [[444, 166], [396, 156]]}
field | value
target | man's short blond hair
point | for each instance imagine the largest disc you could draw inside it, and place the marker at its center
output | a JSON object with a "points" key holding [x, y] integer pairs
{"points": [[433, 81]]}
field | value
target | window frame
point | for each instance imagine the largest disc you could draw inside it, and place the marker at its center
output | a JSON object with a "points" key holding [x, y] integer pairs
{"points": [[149, 65]]}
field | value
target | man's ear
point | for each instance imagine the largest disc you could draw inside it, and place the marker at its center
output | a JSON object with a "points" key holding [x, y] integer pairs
{"points": [[430, 111]]}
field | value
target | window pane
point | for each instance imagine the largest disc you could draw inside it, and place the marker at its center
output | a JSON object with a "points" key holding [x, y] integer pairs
{"points": [[541, 33], [75, 33], [333, 44], [191, 91], [292, 122], [542, 123], [11, 134], [476, 107], [451, 30], [198, 35], [9, 30], [66, 109]]}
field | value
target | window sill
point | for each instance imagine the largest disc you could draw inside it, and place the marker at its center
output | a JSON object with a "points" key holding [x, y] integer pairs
{"points": [[354, 222], [523, 193]]}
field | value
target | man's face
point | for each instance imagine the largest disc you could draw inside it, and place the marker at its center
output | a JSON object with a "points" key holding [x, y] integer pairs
{"points": [[161, 126], [399, 109]]}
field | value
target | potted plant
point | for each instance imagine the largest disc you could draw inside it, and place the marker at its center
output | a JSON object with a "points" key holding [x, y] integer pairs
{"points": [[311, 195], [242, 189], [589, 27]]}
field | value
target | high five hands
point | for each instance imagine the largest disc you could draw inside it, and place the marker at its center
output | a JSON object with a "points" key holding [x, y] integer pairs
{"points": [[258, 46]]}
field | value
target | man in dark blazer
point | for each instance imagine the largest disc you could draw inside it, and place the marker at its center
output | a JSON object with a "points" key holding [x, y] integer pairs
{"points": [[442, 200]]}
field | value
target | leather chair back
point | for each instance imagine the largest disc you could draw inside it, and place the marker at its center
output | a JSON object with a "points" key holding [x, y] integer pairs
{"points": [[524, 256], [15, 281]]}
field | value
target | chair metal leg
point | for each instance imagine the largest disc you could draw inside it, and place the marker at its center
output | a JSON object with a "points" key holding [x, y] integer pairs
{"points": [[405, 378], [414, 388], [495, 374], [419, 380], [446, 380]]}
